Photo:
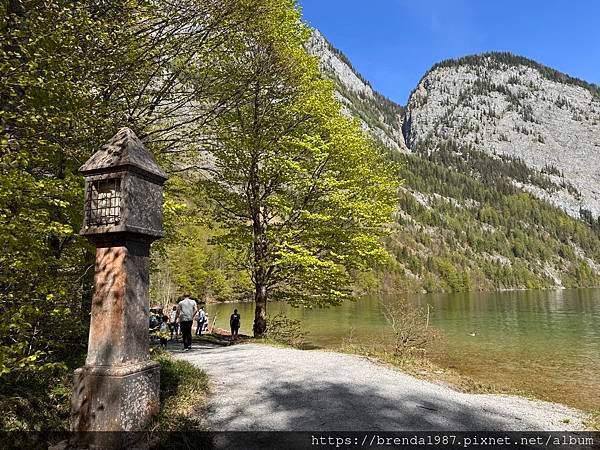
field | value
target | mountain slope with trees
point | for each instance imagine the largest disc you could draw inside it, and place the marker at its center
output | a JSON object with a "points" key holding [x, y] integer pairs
{"points": [[378, 115], [473, 217]]}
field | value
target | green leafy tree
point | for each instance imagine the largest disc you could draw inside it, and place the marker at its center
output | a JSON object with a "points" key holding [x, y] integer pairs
{"points": [[72, 74], [54, 60], [301, 189], [186, 260]]}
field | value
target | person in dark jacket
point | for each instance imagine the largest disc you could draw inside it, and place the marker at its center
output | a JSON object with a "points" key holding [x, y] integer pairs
{"points": [[234, 324]]}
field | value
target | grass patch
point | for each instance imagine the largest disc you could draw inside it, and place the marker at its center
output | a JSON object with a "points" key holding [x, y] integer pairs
{"points": [[183, 389], [35, 407], [272, 343], [280, 344]]}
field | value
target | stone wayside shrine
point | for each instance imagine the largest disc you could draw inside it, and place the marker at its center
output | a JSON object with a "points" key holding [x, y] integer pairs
{"points": [[118, 388]]}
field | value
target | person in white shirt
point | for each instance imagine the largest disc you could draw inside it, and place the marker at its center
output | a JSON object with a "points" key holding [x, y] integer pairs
{"points": [[200, 319], [186, 310]]}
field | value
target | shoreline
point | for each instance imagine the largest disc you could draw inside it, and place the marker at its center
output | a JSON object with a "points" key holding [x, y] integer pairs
{"points": [[568, 378], [420, 293]]}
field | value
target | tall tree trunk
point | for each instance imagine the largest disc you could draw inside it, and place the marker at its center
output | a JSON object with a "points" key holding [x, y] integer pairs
{"points": [[259, 222], [260, 248], [260, 312], [260, 274]]}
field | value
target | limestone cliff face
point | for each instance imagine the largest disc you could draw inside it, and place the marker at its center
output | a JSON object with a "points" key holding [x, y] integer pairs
{"points": [[501, 104], [378, 115]]}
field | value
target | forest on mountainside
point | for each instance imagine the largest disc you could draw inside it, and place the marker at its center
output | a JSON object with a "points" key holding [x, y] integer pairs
{"points": [[463, 226]]}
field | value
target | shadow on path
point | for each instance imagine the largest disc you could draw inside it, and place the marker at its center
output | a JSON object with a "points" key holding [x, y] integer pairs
{"points": [[257, 387], [340, 406]]}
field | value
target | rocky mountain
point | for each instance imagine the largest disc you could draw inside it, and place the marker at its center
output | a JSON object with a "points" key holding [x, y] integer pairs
{"points": [[503, 104], [378, 115], [500, 161]]}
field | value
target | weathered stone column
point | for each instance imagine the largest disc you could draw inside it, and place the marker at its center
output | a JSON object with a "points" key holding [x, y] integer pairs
{"points": [[118, 388]]}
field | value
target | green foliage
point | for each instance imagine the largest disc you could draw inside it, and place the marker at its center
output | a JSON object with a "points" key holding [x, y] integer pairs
{"points": [[551, 170], [35, 406], [301, 190], [476, 230], [496, 170], [376, 111], [55, 59], [72, 75], [586, 216], [187, 260]]}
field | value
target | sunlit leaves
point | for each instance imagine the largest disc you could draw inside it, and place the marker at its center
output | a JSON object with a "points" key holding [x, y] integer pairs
{"points": [[301, 188]]}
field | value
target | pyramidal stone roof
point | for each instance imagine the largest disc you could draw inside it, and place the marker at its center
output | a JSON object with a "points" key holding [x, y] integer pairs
{"points": [[123, 151]]}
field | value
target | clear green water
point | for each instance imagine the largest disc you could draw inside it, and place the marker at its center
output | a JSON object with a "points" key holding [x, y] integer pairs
{"points": [[543, 342]]}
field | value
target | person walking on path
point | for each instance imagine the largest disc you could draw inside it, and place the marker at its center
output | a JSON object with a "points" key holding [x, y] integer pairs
{"points": [[186, 310], [234, 323], [173, 324], [200, 319], [164, 332]]}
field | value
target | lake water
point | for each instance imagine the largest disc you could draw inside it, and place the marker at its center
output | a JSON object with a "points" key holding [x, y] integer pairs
{"points": [[543, 342]]}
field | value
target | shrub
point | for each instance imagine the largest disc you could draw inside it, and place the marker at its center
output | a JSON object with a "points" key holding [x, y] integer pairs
{"points": [[411, 333], [285, 330]]}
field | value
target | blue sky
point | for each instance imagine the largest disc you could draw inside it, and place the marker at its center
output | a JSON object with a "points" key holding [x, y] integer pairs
{"points": [[393, 42]]}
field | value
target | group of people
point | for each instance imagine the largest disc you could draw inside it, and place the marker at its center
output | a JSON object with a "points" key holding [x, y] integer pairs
{"points": [[182, 318]]}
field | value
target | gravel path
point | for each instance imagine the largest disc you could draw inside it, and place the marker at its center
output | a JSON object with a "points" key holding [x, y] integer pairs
{"points": [[258, 387]]}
